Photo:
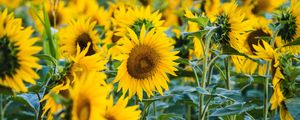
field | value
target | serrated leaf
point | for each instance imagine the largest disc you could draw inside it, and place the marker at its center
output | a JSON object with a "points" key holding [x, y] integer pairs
{"points": [[201, 21]]}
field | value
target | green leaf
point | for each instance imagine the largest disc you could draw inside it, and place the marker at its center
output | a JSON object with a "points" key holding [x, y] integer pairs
{"points": [[48, 58], [293, 106], [228, 50], [202, 21], [234, 109], [199, 34], [170, 116], [182, 61], [295, 42], [30, 100]]}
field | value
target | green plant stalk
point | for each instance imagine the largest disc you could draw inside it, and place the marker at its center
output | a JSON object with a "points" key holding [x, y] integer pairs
{"points": [[188, 113], [52, 45], [205, 70], [266, 87], [1, 109], [227, 73]]}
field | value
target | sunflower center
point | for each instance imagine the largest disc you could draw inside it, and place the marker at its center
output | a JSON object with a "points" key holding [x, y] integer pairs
{"points": [[223, 29], [8, 58], [84, 109], [288, 31], [110, 117], [254, 38], [137, 25], [54, 20], [142, 62], [83, 40]]}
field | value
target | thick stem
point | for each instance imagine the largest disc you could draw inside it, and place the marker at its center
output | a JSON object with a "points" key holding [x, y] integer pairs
{"points": [[1, 109], [204, 75], [227, 73], [189, 112]]}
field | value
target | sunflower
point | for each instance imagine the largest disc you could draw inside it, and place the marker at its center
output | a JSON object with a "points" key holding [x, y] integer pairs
{"points": [[145, 62], [51, 107], [119, 111], [231, 30], [89, 98], [17, 54], [291, 28], [58, 15], [79, 32], [266, 52], [254, 37], [135, 17], [82, 63]]}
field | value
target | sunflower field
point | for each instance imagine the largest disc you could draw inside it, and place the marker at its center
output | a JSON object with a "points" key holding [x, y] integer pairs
{"points": [[149, 59]]}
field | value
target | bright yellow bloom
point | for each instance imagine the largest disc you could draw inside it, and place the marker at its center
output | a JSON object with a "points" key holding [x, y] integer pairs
{"points": [[145, 61], [119, 111], [89, 97], [17, 54], [79, 32], [135, 17]]}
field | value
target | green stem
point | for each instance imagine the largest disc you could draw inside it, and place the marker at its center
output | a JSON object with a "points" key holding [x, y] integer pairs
{"points": [[188, 113], [154, 110], [1, 109], [227, 72], [204, 76], [266, 87]]}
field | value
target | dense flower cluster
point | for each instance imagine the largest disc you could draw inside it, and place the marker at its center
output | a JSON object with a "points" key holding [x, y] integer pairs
{"points": [[149, 59]]}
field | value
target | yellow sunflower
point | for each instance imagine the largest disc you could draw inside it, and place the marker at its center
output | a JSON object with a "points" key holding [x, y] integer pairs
{"points": [[291, 29], [79, 64], [51, 107], [119, 111], [232, 27], [266, 52], [79, 32], [17, 54], [135, 17], [82, 63], [260, 29], [89, 98], [145, 61]]}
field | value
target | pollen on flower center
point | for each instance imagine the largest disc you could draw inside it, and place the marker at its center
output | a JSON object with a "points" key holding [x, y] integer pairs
{"points": [[8, 60], [142, 62], [83, 40], [83, 110]]}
